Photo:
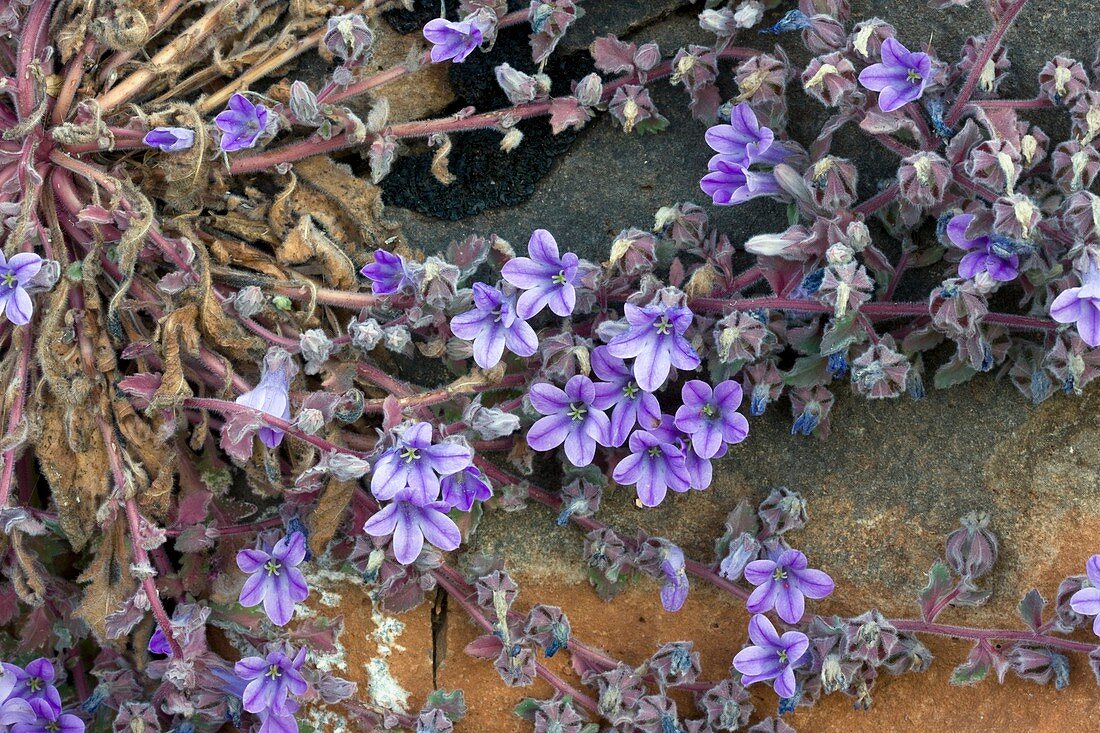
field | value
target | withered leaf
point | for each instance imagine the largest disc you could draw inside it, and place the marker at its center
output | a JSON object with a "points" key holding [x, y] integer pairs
{"points": [[109, 579]]}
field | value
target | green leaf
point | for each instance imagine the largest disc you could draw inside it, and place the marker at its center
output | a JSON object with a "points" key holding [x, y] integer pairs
{"points": [[792, 214], [651, 126], [527, 708], [940, 583], [808, 371], [970, 672], [842, 333], [453, 704], [953, 373], [1031, 609]]}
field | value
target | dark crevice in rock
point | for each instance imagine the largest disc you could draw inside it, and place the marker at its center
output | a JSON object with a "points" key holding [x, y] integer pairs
{"points": [[439, 634]]}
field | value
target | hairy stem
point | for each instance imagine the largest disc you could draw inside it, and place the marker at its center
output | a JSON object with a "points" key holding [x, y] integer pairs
{"points": [[988, 49]]}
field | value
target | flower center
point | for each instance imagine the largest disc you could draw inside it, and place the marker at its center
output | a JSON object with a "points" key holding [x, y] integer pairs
{"points": [[559, 279], [10, 280], [663, 325], [779, 574], [782, 654], [630, 390], [272, 567], [52, 726], [654, 451], [577, 410], [273, 672], [35, 684], [408, 455], [913, 76], [708, 411]]}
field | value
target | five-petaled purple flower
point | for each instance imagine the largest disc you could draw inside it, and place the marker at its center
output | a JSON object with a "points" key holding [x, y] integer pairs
{"points": [[656, 341], [745, 141], [272, 394], [456, 40], [901, 77], [387, 274], [1081, 305], [271, 680], [241, 123], [274, 578], [654, 466], [546, 278], [574, 416], [710, 416], [34, 682], [14, 277], [632, 404], [784, 584], [674, 591], [47, 718], [729, 183], [1087, 600], [462, 489], [772, 657], [170, 139], [492, 325], [699, 469], [272, 722], [415, 464], [411, 521], [982, 254]]}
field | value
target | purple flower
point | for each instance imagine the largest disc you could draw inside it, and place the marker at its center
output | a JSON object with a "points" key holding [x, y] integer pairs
{"points": [[710, 416], [1081, 306], [784, 584], [35, 682], [547, 278], [241, 123], [387, 274], [462, 489], [744, 141], [729, 184], [456, 40], [901, 77], [48, 719], [411, 521], [656, 340], [272, 722], [772, 657], [675, 589], [14, 277], [1087, 600], [14, 710], [170, 139], [272, 394], [572, 417], [274, 578], [982, 255], [493, 325], [271, 680], [633, 405], [654, 466], [158, 642], [414, 463], [699, 469]]}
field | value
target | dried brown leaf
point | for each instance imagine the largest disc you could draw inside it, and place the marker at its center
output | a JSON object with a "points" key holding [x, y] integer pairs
{"points": [[329, 514], [108, 578]]}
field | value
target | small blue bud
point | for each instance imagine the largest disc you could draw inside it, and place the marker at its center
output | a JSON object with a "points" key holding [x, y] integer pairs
{"points": [[942, 222], [935, 113], [987, 357], [788, 704], [838, 365], [795, 20], [99, 694], [806, 423], [760, 398], [812, 282], [1067, 386], [1040, 385]]}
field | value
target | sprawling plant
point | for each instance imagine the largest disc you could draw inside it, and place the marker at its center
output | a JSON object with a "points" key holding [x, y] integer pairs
{"points": [[227, 372]]}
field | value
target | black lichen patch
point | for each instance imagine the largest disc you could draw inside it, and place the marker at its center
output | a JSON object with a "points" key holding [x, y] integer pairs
{"points": [[485, 176]]}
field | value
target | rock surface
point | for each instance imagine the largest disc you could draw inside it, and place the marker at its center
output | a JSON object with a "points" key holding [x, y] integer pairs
{"points": [[882, 492]]}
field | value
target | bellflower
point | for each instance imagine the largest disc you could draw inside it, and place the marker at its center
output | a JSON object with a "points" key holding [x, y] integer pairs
{"points": [[1087, 600], [572, 417], [982, 255], [1081, 305], [456, 40], [494, 325], [34, 682], [387, 274], [170, 139], [729, 183], [271, 680], [462, 489], [48, 719], [745, 141], [654, 466], [414, 463], [241, 123], [632, 404], [771, 657], [272, 722], [710, 416], [15, 274], [15, 711], [675, 589], [411, 521], [901, 77], [656, 341], [158, 642], [274, 578], [272, 394], [547, 278], [699, 469], [784, 584]]}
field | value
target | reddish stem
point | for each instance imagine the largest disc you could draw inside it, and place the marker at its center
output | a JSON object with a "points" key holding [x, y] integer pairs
{"points": [[988, 49], [15, 417]]}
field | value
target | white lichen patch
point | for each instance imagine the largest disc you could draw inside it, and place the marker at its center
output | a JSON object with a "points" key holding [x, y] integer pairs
{"points": [[385, 691]]}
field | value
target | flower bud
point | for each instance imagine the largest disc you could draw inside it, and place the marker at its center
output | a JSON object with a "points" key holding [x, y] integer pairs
{"points": [[310, 420], [972, 549], [589, 90], [249, 301], [783, 511], [832, 183], [720, 22], [398, 339], [749, 13], [810, 409], [829, 79], [303, 104], [839, 254], [365, 335], [316, 347], [1063, 80], [1074, 166], [923, 179], [521, 88], [824, 34]]}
